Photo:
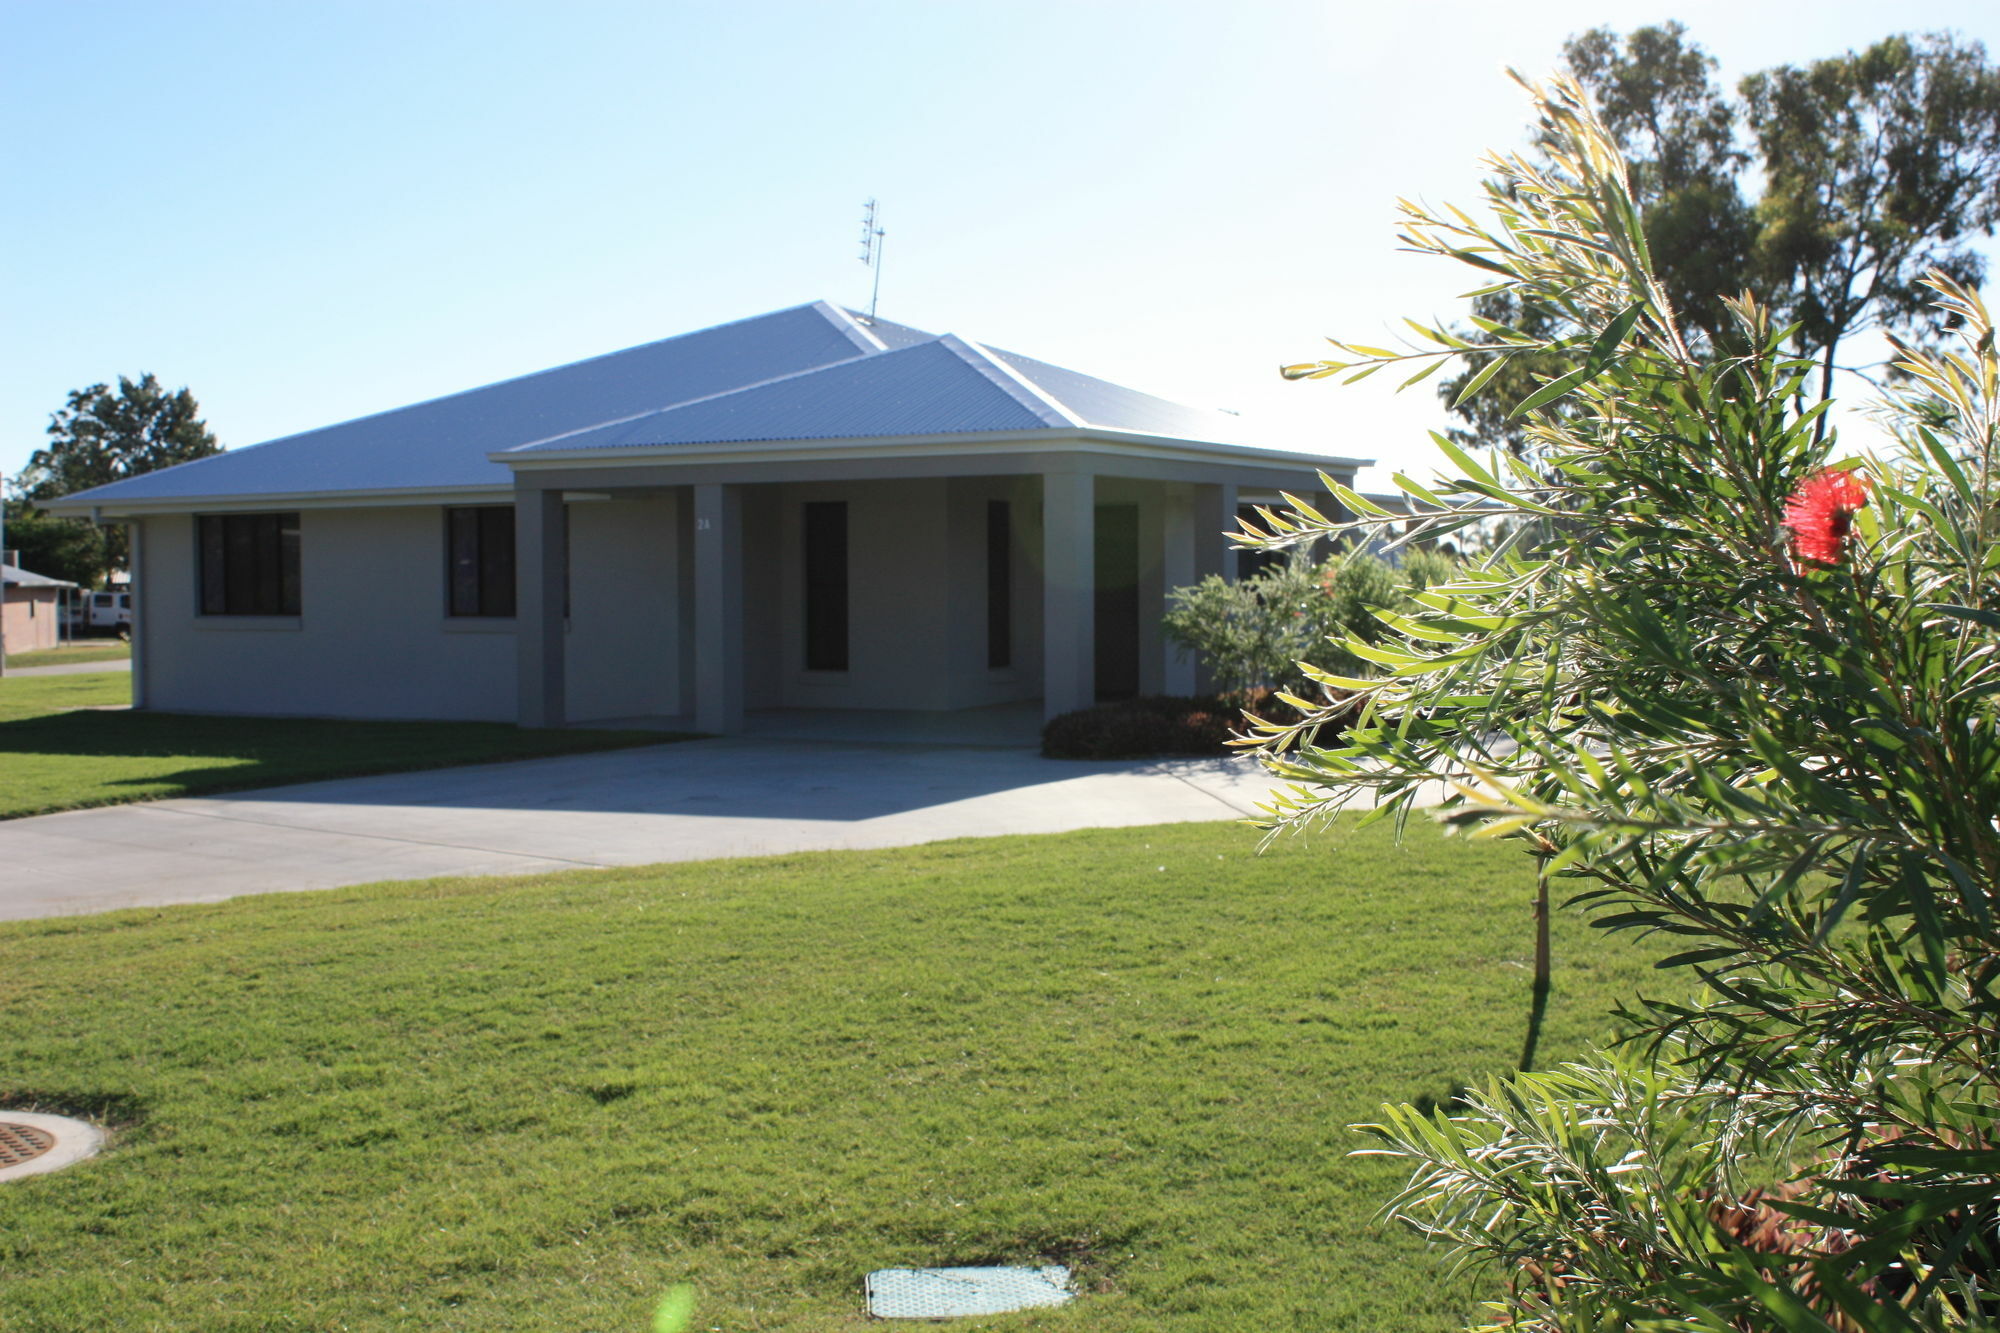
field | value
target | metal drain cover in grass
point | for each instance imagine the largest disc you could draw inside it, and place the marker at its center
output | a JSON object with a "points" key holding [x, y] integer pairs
{"points": [[31, 1144], [951, 1293]]}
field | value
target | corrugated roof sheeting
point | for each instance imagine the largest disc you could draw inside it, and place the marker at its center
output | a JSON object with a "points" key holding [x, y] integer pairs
{"points": [[1114, 407], [894, 336], [807, 373], [445, 442], [928, 388], [16, 577]]}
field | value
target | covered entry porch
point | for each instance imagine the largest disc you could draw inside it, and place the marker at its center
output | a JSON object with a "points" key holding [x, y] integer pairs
{"points": [[992, 591]]}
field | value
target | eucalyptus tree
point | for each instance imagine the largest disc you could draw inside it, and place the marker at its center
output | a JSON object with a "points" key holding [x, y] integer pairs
{"points": [[1875, 168]]}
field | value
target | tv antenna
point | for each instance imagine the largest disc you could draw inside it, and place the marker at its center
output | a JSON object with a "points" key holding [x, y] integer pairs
{"points": [[872, 245]]}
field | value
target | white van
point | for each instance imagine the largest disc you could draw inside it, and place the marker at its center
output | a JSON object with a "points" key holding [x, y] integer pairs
{"points": [[106, 611]]}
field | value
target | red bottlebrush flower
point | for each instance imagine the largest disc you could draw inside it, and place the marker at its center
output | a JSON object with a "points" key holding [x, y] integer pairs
{"points": [[1821, 512]]}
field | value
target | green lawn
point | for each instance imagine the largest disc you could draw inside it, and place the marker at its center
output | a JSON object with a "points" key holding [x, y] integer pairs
{"points": [[59, 752], [82, 650], [533, 1104]]}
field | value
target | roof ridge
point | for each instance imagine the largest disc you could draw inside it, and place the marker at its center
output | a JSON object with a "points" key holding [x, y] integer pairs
{"points": [[510, 379], [1011, 382], [685, 402], [705, 398], [846, 321]]}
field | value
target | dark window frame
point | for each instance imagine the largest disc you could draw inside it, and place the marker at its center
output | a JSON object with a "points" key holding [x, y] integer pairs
{"points": [[247, 564], [481, 575], [823, 533]]}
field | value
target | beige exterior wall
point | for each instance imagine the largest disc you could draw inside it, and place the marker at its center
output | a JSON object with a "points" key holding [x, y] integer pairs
{"points": [[371, 640], [32, 618], [916, 596], [622, 656]]}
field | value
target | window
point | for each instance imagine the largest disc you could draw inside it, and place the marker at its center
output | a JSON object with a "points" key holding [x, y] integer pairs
{"points": [[479, 561], [249, 564], [999, 584], [826, 585]]}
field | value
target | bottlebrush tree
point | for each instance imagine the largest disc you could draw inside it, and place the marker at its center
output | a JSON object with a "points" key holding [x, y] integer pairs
{"points": [[1730, 685]]}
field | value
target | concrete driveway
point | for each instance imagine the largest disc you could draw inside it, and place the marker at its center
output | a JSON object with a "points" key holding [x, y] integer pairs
{"points": [[693, 800]]}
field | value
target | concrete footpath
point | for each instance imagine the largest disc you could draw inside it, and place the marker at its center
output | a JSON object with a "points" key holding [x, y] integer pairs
{"points": [[73, 668], [692, 800]]}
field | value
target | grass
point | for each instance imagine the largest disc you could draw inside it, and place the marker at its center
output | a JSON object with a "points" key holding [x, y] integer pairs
{"points": [[535, 1103], [60, 751], [81, 650]]}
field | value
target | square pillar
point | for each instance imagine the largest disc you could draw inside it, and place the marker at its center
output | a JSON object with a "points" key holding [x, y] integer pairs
{"points": [[142, 579], [1214, 518], [718, 609], [684, 603], [541, 579], [1177, 570], [1069, 592]]}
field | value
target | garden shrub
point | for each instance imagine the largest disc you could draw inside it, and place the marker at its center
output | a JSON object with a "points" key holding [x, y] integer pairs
{"points": [[1253, 633], [1157, 725]]}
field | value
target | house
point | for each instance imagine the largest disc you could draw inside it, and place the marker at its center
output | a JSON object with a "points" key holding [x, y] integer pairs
{"points": [[806, 509], [32, 607]]}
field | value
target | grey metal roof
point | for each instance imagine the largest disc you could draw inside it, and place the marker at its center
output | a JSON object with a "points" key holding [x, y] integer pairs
{"points": [[813, 372], [1111, 406], [446, 442], [929, 387], [15, 576], [891, 334], [940, 387]]}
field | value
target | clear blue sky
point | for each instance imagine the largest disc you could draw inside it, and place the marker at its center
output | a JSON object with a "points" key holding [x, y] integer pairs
{"points": [[310, 212]]}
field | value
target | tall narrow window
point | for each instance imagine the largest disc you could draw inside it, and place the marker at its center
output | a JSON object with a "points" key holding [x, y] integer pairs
{"points": [[826, 585], [479, 560], [249, 564], [999, 584]]}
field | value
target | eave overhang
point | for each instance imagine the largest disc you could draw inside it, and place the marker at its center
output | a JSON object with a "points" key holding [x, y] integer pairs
{"points": [[82, 507], [1158, 448], [757, 456]]}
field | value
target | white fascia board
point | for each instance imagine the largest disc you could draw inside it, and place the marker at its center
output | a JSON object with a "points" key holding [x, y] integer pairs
{"points": [[1053, 441], [216, 504], [1211, 448]]}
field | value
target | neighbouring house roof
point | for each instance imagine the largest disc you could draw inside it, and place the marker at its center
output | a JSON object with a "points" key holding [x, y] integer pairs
{"points": [[814, 372], [15, 577]]}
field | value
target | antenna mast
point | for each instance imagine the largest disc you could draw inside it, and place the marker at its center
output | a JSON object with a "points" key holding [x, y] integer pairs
{"points": [[872, 245]]}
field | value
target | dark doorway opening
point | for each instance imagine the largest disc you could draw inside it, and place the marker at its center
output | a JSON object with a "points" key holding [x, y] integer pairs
{"points": [[1117, 636]]}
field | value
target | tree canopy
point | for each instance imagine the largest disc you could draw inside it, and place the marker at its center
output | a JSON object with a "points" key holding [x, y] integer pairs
{"points": [[100, 436], [1876, 167]]}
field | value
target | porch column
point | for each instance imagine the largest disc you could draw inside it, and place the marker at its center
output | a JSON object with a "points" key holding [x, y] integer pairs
{"points": [[718, 609], [135, 546], [541, 564], [1177, 564], [1214, 515], [1069, 592]]}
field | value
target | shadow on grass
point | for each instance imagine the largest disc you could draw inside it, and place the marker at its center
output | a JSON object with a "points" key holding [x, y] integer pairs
{"points": [[233, 753], [113, 1110]]}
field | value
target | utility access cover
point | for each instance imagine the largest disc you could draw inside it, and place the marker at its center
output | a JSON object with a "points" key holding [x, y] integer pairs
{"points": [[950, 1293], [22, 1143]]}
